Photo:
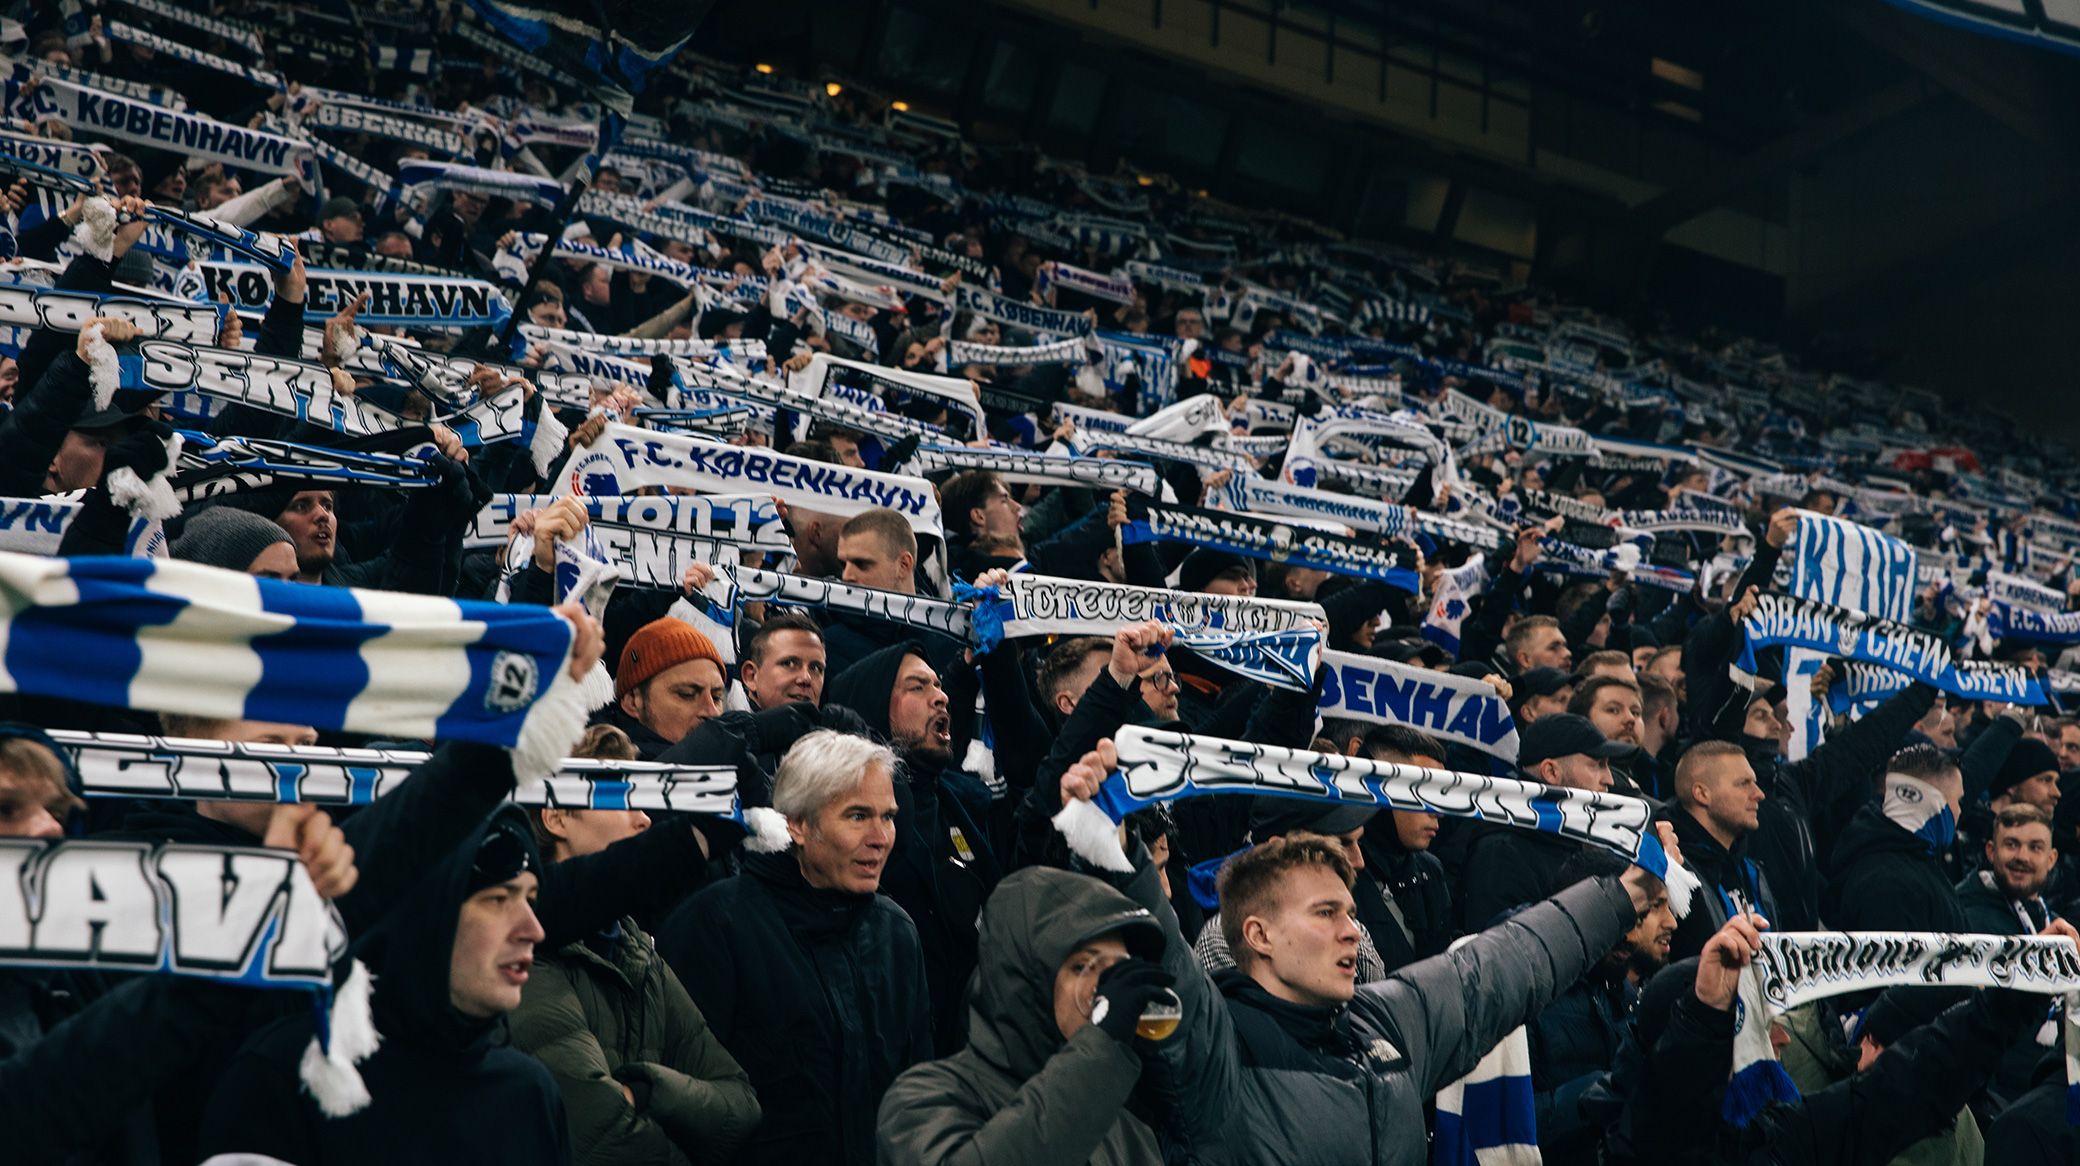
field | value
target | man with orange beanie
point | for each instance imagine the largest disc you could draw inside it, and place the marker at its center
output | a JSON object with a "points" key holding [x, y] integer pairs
{"points": [[671, 679]]}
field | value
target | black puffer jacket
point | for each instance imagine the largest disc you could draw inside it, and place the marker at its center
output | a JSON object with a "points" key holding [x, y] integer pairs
{"points": [[820, 995]]}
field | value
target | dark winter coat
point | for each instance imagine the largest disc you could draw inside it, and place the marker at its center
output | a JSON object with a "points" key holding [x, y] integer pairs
{"points": [[1886, 879], [1726, 872], [819, 994], [1911, 1091]]}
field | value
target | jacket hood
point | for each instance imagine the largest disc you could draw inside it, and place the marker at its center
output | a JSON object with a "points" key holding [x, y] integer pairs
{"points": [[866, 685], [411, 951], [1033, 921]]}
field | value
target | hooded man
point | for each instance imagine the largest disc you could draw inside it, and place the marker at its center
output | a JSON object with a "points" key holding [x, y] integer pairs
{"points": [[449, 963], [812, 979], [1052, 1057], [943, 866], [1888, 873]]}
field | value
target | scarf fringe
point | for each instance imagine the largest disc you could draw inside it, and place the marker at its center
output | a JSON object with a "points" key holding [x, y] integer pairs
{"points": [[148, 499], [765, 831], [554, 723], [1754, 1089], [104, 369], [327, 1069], [1092, 836], [96, 231], [551, 435]]}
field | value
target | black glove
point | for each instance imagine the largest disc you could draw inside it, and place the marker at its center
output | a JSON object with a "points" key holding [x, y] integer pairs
{"points": [[1619, 605], [1124, 993]]}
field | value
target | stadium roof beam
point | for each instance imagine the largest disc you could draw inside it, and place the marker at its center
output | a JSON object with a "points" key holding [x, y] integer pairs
{"points": [[2004, 81], [1678, 205]]}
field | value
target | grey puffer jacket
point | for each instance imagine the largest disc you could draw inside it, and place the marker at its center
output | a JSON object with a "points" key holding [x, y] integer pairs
{"points": [[1019, 1093], [1355, 1098]]}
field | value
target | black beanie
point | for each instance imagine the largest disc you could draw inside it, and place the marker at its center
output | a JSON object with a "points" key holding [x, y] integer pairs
{"points": [[2027, 759]]}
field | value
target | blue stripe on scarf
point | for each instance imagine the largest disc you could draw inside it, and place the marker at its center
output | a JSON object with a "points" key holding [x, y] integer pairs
{"points": [[325, 639], [1496, 1112], [73, 652], [536, 637]]}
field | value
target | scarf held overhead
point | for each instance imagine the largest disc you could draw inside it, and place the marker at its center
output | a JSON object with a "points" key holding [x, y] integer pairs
{"points": [[179, 637], [1159, 766]]}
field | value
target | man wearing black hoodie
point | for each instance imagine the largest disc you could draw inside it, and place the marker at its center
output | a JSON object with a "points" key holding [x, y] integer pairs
{"points": [[943, 866], [444, 1086], [1887, 873]]}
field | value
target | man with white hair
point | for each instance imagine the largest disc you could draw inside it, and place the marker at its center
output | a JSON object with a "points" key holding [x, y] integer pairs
{"points": [[812, 979]]}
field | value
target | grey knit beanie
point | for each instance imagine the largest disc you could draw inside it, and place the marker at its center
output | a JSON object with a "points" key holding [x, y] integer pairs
{"points": [[224, 536]]}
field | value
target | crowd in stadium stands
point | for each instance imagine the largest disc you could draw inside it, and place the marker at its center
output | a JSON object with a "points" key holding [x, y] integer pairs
{"points": [[1576, 524]]}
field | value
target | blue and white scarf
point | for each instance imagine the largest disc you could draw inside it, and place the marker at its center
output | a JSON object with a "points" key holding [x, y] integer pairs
{"points": [[1382, 692], [1017, 314], [37, 526], [736, 586], [1490, 1116], [1457, 588], [1266, 640], [623, 459], [237, 915], [1807, 623], [414, 301], [123, 765], [212, 467], [69, 311], [179, 637], [1266, 538], [1028, 467], [1850, 565], [116, 30], [1160, 766], [237, 32], [144, 124], [739, 521]]}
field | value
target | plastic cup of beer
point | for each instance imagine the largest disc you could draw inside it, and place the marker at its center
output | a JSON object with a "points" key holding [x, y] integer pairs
{"points": [[1161, 1018]]}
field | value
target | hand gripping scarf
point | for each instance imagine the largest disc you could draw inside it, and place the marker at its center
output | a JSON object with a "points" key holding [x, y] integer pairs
{"points": [[624, 458], [179, 637], [238, 915], [1159, 766], [1272, 540], [1807, 623], [122, 765], [1797, 967]]}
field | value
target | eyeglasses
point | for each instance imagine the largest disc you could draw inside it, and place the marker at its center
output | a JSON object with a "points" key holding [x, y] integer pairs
{"points": [[1162, 681]]}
